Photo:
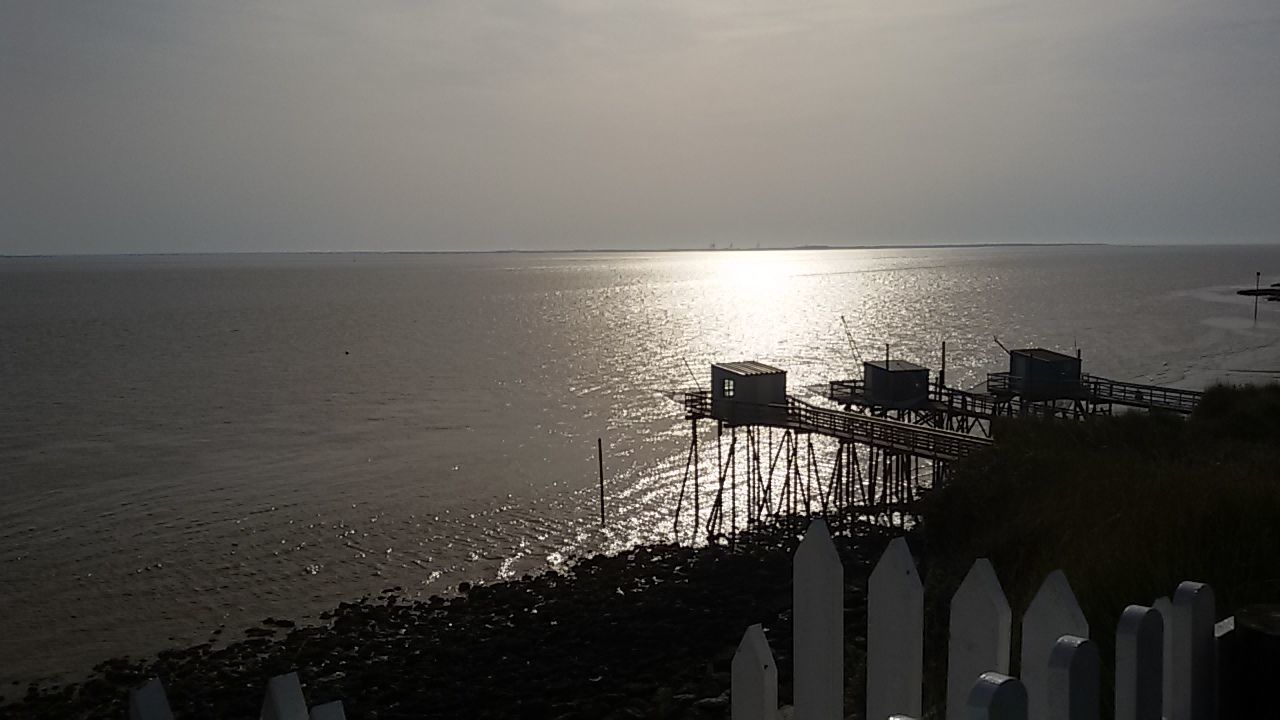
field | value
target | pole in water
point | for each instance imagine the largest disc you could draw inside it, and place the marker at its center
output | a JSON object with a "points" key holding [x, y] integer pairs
{"points": [[1257, 287], [600, 459], [942, 374]]}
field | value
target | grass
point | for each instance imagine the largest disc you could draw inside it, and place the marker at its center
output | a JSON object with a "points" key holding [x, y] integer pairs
{"points": [[1126, 506]]}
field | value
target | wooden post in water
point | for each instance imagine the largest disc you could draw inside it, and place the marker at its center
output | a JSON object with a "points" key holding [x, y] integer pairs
{"points": [[600, 459], [1257, 286], [942, 374]]}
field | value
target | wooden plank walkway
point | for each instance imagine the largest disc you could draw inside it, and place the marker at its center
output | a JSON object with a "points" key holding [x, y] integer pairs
{"points": [[1002, 400], [1138, 395], [951, 401], [882, 433]]}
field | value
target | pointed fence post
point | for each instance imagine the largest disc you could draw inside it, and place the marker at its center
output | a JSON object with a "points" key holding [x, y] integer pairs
{"points": [[329, 711], [1194, 681], [1139, 664], [1075, 676], [284, 700], [1164, 606], [980, 634], [818, 614], [895, 634], [149, 702], [1053, 613], [997, 697], [754, 689]]}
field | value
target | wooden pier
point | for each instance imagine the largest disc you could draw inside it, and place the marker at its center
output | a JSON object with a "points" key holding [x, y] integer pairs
{"points": [[874, 432], [895, 435], [784, 456], [1151, 397], [1040, 383], [965, 411], [952, 409]]}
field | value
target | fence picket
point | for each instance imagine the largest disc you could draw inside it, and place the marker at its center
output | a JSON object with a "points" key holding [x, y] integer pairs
{"points": [[284, 699], [1139, 664], [329, 711], [818, 614], [1164, 606], [1194, 656], [754, 686], [1075, 675], [997, 697], [895, 634], [149, 702], [1053, 613], [980, 634]]}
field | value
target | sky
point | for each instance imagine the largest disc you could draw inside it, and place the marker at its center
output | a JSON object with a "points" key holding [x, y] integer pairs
{"points": [[316, 125]]}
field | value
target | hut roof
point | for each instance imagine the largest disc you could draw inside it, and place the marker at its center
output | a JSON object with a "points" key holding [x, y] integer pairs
{"points": [[749, 367]]}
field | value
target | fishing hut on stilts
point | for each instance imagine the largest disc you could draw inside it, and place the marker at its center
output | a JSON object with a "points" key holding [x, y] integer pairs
{"points": [[1039, 383], [778, 456], [896, 433]]}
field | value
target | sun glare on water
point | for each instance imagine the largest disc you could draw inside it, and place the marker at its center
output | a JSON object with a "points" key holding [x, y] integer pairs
{"points": [[757, 298]]}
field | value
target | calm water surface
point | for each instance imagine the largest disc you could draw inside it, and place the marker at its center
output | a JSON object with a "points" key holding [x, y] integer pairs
{"points": [[187, 443]]}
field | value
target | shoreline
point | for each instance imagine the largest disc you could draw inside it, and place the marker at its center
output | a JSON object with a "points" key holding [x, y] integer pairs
{"points": [[648, 631]]}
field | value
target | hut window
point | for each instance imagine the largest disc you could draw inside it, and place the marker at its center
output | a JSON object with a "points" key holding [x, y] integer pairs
{"points": [[728, 387]]}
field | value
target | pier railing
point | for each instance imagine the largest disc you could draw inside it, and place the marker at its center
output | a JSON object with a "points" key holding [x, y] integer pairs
{"points": [[1104, 390], [1002, 386], [950, 400], [1166, 652], [1138, 395], [1007, 384], [917, 440]]}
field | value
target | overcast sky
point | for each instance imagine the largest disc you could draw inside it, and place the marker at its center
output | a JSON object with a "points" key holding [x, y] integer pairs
{"points": [[141, 126]]}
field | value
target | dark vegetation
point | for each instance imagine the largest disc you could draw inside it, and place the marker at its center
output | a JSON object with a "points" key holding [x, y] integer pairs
{"points": [[1127, 506]]}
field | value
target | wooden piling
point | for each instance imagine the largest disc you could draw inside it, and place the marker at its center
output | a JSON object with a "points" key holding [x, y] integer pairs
{"points": [[600, 459]]}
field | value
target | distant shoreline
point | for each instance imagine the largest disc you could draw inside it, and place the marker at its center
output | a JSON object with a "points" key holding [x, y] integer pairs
{"points": [[601, 251], [615, 251]]}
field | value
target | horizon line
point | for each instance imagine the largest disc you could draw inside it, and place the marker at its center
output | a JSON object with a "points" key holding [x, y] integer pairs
{"points": [[566, 251]]}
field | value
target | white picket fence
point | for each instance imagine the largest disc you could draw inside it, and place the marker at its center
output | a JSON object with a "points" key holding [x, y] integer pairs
{"points": [[1166, 664], [284, 701]]}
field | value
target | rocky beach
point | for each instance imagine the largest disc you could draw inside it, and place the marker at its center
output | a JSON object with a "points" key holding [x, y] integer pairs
{"points": [[649, 632]]}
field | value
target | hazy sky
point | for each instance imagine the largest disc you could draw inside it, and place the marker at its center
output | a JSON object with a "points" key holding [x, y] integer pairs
{"points": [[129, 125]]}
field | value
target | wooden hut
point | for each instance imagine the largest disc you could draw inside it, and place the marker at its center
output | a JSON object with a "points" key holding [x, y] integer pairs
{"points": [[748, 393], [895, 384], [1040, 374]]}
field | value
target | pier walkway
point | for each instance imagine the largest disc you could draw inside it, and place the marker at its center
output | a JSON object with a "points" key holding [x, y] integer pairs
{"points": [[1104, 391], [950, 401], [880, 433], [1155, 397], [1002, 401]]}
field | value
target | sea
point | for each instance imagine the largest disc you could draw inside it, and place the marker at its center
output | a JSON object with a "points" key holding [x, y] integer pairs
{"points": [[195, 443]]}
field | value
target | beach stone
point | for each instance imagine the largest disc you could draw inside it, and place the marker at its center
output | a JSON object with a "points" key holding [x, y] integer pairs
{"points": [[713, 703]]}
